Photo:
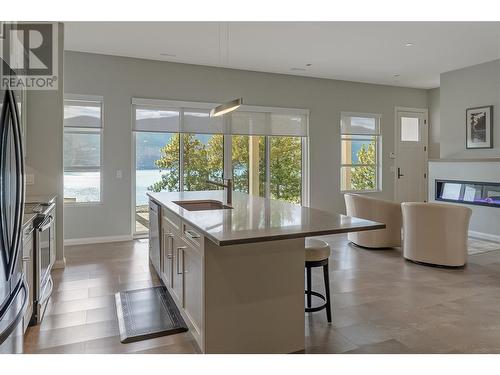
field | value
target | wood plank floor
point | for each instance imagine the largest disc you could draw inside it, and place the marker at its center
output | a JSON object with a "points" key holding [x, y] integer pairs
{"points": [[381, 304]]}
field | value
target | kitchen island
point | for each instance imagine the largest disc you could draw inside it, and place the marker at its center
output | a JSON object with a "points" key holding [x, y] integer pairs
{"points": [[237, 273]]}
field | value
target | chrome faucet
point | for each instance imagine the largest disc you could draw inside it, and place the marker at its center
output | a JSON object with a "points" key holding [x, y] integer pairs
{"points": [[228, 189]]}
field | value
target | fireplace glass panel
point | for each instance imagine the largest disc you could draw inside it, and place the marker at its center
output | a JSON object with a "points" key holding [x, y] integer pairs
{"points": [[478, 193]]}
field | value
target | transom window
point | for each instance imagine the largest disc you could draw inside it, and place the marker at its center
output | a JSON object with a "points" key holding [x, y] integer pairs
{"points": [[82, 149], [360, 145]]}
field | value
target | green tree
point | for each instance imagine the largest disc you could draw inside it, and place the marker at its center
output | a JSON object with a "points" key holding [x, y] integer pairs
{"points": [[240, 155], [169, 162], [363, 177], [286, 168], [205, 161], [202, 162]]}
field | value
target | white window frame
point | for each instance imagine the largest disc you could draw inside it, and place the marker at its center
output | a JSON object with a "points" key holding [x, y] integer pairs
{"points": [[90, 98], [179, 105], [378, 151]]}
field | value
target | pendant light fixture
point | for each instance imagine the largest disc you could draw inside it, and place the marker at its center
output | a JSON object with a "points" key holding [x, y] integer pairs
{"points": [[233, 104], [226, 107]]}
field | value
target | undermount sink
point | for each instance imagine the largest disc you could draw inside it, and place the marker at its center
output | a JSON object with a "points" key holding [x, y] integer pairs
{"points": [[202, 205]]}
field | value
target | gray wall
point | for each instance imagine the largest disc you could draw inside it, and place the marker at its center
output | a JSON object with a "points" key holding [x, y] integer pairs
{"points": [[44, 156], [118, 79], [434, 123], [474, 86]]}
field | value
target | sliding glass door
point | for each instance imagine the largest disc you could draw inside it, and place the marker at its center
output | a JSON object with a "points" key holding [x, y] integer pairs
{"points": [[248, 155], [156, 169], [173, 151], [285, 168], [203, 160]]}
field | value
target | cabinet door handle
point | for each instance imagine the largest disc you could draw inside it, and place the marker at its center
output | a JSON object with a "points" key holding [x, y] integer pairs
{"points": [[171, 252], [191, 234], [166, 237], [178, 256]]}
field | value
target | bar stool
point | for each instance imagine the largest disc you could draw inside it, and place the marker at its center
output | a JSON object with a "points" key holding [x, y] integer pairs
{"points": [[317, 254]]}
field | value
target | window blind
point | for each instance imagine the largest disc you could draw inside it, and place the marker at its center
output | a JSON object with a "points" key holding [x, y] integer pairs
{"points": [[82, 114], [360, 123], [199, 121], [193, 117], [152, 119]]}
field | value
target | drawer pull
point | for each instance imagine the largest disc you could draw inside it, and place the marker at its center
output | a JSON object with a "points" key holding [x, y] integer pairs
{"points": [[178, 256], [191, 234]]}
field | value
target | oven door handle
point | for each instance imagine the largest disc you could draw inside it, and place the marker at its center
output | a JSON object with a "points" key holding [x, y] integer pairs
{"points": [[46, 224]]}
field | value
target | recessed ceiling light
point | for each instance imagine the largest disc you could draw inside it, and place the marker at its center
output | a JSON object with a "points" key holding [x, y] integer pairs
{"points": [[396, 75], [167, 54], [408, 44], [308, 64]]}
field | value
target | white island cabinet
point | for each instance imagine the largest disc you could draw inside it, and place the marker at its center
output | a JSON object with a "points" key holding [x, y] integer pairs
{"points": [[237, 274]]}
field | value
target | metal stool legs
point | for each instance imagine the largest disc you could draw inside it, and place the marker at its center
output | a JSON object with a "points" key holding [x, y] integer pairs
{"points": [[309, 292]]}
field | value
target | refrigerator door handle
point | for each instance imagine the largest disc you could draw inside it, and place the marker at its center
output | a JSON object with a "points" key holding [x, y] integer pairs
{"points": [[19, 203], [13, 324], [4, 242]]}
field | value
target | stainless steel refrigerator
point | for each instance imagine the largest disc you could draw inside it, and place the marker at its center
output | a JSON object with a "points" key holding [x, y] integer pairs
{"points": [[13, 291]]}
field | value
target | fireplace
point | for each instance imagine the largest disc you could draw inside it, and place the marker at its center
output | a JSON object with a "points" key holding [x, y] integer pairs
{"points": [[468, 192]]}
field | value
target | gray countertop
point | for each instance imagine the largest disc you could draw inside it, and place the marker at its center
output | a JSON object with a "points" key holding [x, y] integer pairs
{"points": [[256, 219]]}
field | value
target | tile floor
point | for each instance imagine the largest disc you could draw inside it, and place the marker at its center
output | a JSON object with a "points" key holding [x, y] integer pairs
{"points": [[381, 304]]}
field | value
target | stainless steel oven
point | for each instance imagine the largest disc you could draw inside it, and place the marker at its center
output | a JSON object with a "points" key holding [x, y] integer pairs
{"points": [[44, 253]]}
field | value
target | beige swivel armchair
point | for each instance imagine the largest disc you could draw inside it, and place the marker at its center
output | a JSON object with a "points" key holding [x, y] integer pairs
{"points": [[378, 210], [435, 234]]}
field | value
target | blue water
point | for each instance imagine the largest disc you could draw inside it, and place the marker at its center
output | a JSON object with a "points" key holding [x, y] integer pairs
{"points": [[143, 179], [86, 186]]}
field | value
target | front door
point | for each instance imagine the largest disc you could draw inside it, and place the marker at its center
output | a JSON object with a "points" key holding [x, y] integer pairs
{"points": [[411, 155]]}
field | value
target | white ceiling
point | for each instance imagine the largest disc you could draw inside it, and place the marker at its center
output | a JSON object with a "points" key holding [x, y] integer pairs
{"points": [[372, 52]]}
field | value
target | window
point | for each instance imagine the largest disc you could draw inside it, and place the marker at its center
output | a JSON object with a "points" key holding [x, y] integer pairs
{"points": [[360, 145], [178, 146], [156, 168], [249, 164], [286, 168], [203, 160], [409, 129], [82, 149]]}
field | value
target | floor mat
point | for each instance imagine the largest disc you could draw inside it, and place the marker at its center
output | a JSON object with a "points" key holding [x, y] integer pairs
{"points": [[147, 313]]}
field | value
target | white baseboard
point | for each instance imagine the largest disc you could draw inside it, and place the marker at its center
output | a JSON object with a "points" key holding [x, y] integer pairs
{"points": [[92, 240], [484, 236], [59, 264]]}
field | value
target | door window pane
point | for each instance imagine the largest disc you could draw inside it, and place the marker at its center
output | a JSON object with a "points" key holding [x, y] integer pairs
{"points": [[203, 160], [249, 164], [409, 129], [286, 168], [157, 169]]}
